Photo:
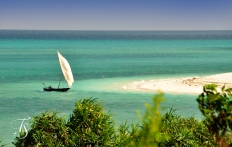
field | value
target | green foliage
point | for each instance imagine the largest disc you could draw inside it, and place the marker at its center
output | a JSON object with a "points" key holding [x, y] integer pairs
{"points": [[47, 129], [90, 125], [1, 145], [125, 134], [217, 109], [149, 135], [185, 131]]}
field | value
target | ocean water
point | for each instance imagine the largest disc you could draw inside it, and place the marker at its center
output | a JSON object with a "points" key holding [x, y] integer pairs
{"points": [[102, 62]]}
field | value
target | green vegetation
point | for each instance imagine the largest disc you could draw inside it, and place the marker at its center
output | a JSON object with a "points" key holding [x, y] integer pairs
{"points": [[47, 129], [185, 131], [90, 126], [1, 145], [217, 109], [149, 134]]}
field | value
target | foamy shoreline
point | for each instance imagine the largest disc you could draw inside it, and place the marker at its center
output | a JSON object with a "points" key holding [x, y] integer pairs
{"points": [[188, 85]]}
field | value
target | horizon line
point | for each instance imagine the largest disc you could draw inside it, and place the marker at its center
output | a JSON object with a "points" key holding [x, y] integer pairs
{"points": [[101, 30]]}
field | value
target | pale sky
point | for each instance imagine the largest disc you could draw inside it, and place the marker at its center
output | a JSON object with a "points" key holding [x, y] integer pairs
{"points": [[116, 14]]}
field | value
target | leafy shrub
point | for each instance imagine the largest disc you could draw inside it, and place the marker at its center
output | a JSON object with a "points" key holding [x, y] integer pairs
{"points": [[47, 129], [149, 134], [90, 125], [1, 145], [217, 109], [185, 131], [125, 134]]}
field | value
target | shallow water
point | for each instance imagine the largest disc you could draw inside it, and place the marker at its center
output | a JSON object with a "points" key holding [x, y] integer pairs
{"points": [[102, 62]]}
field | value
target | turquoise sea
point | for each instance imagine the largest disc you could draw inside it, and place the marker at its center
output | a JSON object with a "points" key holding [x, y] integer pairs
{"points": [[102, 62]]}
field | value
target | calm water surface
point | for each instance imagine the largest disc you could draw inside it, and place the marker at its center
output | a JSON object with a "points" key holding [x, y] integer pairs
{"points": [[102, 61]]}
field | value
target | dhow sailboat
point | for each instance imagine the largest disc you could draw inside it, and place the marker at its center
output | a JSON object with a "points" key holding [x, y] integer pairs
{"points": [[67, 73]]}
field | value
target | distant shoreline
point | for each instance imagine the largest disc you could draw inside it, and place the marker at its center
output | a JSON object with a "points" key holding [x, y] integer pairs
{"points": [[187, 85], [115, 30]]}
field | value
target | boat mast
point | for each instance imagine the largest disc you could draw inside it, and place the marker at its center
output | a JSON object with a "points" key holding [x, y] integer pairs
{"points": [[59, 82]]}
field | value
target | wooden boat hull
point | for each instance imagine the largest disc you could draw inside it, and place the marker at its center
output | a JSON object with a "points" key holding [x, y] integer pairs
{"points": [[56, 89]]}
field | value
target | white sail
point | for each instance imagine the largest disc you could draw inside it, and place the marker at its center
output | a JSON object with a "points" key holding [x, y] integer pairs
{"points": [[66, 69]]}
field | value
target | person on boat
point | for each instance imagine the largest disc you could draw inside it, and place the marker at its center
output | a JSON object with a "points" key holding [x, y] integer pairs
{"points": [[49, 87]]}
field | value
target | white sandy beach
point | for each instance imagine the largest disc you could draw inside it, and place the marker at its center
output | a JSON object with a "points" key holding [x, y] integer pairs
{"points": [[188, 85]]}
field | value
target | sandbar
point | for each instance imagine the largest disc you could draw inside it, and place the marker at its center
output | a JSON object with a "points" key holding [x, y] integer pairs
{"points": [[186, 85]]}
